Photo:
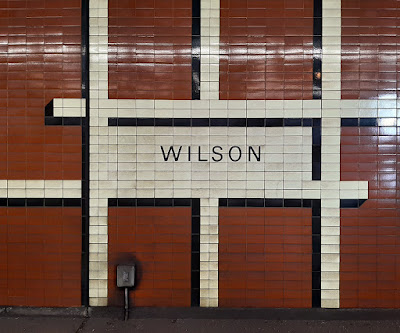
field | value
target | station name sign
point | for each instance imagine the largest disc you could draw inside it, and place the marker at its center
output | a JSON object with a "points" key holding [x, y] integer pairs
{"points": [[215, 154]]}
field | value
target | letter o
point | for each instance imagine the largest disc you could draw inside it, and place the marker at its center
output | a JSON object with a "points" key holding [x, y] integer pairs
{"points": [[239, 152]]}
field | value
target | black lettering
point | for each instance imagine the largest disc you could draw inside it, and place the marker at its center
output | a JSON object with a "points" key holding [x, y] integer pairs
{"points": [[239, 151], [189, 148], [251, 150], [171, 149], [217, 153], [200, 160]]}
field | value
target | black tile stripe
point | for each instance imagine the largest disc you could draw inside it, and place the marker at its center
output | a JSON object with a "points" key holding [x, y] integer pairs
{"points": [[316, 152], [315, 205], [195, 234], [351, 203], [40, 202], [255, 202], [215, 122], [368, 122], [316, 253], [196, 49], [85, 154], [195, 259], [317, 50]]}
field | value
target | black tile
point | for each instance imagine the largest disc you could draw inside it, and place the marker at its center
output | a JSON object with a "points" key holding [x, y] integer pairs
{"points": [[316, 208], [196, 207], [49, 109], [316, 298], [195, 261], [195, 242], [255, 122], [71, 121], [368, 122], [182, 122], [316, 136], [127, 121], [292, 203], [316, 244], [35, 202], [316, 154], [72, 202], [316, 262], [164, 202], [195, 297], [195, 280], [236, 202], [163, 122], [196, 26], [125, 202], [50, 121], [112, 202], [316, 122], [145, 122], [349, 122], [219, 122], [255, 202], [16, 202], [53, 202], [349, 203], [273, 202], [361, 201], [148, 202], [223, 202], [195, 224], [237, 122], [316, 225], [182, 202], [274, 122], [316, 171], [292, 122], [316, 280], [200, 122]]}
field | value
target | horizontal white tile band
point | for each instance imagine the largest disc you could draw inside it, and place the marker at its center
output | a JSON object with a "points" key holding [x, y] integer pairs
{"points": [[69, 107], [40, 188]]}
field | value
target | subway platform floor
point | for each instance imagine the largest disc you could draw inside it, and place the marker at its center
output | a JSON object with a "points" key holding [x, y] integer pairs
{"points": [[197, 321]]}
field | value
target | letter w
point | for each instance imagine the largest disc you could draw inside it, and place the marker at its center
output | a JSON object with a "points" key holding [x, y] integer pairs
{"points": [[171, 149]]}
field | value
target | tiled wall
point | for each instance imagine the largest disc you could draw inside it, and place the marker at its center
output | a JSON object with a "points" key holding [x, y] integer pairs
{"points": [[369, 49], [266, 50], [40, 43], [370, 234], [159, 239], [241, 153], [41, 242], [150, 49], [369, 149], [265, 257], [40, 256]]}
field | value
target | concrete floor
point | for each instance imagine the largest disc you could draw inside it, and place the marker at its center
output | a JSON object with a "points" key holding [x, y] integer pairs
{"points": [[153, 325], [199, 321]]}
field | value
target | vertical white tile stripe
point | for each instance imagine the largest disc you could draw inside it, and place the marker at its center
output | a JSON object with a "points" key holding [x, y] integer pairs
{"points": [[330, 156], [209, 56], [209, 252], [98, 67]]}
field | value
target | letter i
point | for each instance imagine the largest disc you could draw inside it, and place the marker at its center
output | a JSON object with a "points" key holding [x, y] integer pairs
{"points": [[189, 153]]}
